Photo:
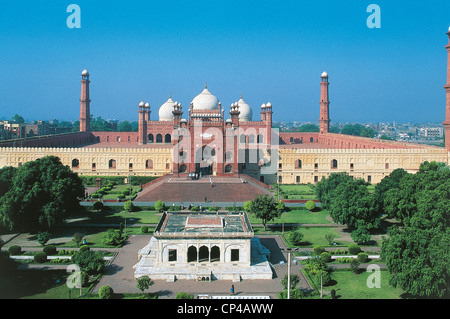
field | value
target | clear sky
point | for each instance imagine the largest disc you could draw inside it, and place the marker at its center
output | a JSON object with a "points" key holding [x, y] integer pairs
{"points": [[267, 50]]}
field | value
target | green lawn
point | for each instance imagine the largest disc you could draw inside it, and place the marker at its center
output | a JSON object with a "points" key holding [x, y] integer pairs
{"points": [[37, 284], [297, 216], [297, 191], [354, 286], [314, 236]]}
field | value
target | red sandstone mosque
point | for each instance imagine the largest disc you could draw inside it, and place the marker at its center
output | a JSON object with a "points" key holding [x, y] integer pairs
{"points": [[200, 139]]}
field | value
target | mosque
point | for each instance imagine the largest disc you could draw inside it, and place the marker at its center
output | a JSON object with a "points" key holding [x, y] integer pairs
{"points": [[201, 139]]}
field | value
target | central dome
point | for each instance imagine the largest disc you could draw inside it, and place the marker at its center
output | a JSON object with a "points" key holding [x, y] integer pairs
{"points": [[245, 111], [165, 111], [205, 101]]}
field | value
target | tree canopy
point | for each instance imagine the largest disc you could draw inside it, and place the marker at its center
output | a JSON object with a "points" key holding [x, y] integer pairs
{"points": [[42, 193], [266, 208], [418, 253]]}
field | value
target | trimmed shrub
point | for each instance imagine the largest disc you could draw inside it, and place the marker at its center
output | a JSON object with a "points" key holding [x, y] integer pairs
{"points": [[129, 206], [105, 292], [49, 250], [325, 256], [15, 250], [310, 205], [296, 237], [318, 249], [98, 205], [159, 205], [144, 229], [354, 249], [40, 257], [363, 257], [84, 248]]}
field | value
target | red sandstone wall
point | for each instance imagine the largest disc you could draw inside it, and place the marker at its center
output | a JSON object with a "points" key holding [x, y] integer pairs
{"points": [[298, 138], [75, 139]]}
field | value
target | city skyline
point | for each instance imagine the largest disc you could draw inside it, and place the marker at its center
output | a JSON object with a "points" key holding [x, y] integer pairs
{"points": [[266, 51]]}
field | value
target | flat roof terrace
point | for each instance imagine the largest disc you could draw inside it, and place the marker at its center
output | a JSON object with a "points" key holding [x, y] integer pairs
{"points": [[204, 225]]}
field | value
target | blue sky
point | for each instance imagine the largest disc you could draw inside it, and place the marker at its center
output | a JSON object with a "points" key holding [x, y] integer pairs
{"points": [[267, 50]]}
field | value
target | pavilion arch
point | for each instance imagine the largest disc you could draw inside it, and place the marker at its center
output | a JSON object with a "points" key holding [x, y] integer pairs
{"points": [[167, 138], [192, 254], [149, 164], [243, 139], [159, 138], [251, 139], [298, 163], [228, 168], [150, 138], [203, 254], [215, 254]]}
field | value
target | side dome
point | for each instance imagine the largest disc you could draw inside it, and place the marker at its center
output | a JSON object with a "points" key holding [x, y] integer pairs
{"points": [[165, 111], [205, 101], [245, 110]]}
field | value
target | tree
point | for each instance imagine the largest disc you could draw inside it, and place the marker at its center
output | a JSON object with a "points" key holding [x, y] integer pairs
{"points": [[98, 205], [296, 237], [112, 237], [43, 237], [89, 261], [143, 283], [353, 205], [77, 238], [326, 187], [160, 206], [105, 292], [18, 119], [294, 281], [266, 208], [129, 206], [124, 126], [310, 205], [248, 206], [308, 128], [418, 261], [361, 235], [42, 194], [184, 295], [6, 175], [417, 253]]}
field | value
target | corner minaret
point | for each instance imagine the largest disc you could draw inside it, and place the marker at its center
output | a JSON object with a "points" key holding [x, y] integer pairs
{"points": [[447, 100], [324, 119], [85, 110], [142, 124]]}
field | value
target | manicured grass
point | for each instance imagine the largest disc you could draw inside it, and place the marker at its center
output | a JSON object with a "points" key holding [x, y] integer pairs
{"points": [[354, 286], [314, 236], [38, 284], [297, 216], [113, 216], [297, 191]]}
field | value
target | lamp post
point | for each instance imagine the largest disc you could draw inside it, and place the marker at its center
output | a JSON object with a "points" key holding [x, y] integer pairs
{"points": [[289, 250]]}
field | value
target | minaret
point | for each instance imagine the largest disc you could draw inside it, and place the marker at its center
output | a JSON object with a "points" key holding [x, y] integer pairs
{"points": [[324, 119], [447, 100], [85, 111], [142, 124]]}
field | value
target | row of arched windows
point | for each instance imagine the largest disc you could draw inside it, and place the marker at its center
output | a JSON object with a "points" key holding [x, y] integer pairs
{"points": [[112, 164], [159, 138], [334, 164], [250, 139]]}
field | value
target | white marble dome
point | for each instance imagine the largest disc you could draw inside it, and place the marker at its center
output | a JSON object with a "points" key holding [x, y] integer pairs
{"points": [[85, 72], [205, 101], [245, 110], [324, 74], [165, 111]]}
